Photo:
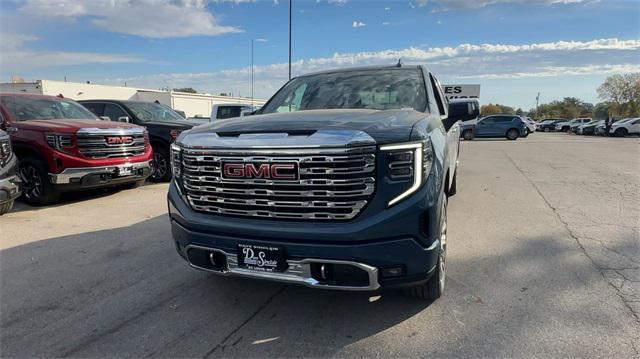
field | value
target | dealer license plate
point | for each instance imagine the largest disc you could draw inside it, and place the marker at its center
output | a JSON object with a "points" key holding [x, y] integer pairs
{"points": [[260, 257]]}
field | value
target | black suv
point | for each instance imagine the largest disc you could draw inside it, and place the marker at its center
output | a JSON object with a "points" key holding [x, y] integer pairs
{"points": [[163, 123]]}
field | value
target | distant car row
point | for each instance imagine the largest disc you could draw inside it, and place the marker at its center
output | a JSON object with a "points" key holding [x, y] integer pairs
{"points": [[588, 126]]}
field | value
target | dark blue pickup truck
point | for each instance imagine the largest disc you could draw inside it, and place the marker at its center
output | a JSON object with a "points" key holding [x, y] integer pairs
{"points": [[340, 181]]}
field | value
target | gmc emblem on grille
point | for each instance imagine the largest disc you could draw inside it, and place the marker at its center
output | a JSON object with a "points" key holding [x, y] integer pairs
{"points": [[275, 171], [120, 140]]}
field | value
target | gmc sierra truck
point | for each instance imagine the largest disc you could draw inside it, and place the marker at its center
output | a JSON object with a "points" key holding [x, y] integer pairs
{"points": [[340, 181], [61, 147], [163, 124]]}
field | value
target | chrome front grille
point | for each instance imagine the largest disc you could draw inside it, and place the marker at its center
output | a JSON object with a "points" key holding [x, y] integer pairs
{"points": [[99, 143], [332, 184], [5, 150]]}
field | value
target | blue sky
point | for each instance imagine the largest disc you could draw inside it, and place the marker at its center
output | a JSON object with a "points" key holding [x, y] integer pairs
{"points": [[513, 48]]}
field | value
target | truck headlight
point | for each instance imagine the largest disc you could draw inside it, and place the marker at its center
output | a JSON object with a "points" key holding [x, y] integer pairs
{"points": [[410, 161], [176, 161], [60, 142]]}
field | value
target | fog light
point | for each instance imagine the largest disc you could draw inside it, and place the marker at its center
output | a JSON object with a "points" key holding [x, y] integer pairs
{"points": [[391, 272]]}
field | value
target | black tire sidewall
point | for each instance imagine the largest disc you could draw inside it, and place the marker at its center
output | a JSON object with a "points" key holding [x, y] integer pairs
{"points": [[164, 152], [48, 193]]}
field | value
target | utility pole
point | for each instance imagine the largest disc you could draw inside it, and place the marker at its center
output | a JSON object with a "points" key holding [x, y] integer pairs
{"points": [[252, 73], [290, 6], [537, 104]]}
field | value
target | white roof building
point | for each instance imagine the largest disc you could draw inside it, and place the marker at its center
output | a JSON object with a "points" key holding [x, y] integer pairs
{"points": [[192, 104]]}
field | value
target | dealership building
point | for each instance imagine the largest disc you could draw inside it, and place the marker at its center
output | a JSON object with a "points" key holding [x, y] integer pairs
{"points": [[193, 104]]}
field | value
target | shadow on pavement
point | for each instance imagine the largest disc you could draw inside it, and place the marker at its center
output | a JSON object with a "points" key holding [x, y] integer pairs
{"points": [[125, 292]]}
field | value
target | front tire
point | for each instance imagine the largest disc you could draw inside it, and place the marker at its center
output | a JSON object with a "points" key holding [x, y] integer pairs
{"points": [[620, 132], [36, 188], [161, 165], [434, 287], [5, 208], [512, 134], [453, 188], [467, 135]]}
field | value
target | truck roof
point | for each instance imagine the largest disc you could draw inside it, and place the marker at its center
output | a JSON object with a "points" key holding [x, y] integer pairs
{"points": [[364, 68]]}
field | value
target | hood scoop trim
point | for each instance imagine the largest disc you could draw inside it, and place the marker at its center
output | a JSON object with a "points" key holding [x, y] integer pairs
{"points": [[266, 134], [279, 139]]}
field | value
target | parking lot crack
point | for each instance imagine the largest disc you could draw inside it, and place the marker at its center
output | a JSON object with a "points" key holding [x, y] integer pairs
{"points": [[575, 237], [223, 342]]}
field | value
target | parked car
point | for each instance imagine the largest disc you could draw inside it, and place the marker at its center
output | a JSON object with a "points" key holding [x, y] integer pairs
{"points": [[625, 127], [345, 177], [566, 125], [228, 110], [508, 126], [531, 124], [575, 126], [9, 180], [163, 123], [61, 146], [589, 127], [549, 124]]}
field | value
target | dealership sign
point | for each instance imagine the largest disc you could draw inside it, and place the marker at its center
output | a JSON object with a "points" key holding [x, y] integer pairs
{"points": [[461, 91]]}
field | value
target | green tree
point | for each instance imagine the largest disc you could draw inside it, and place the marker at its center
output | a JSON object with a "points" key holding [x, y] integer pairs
{"points": [[519, 112], [622, 92], [489, 109], [186, 89]]}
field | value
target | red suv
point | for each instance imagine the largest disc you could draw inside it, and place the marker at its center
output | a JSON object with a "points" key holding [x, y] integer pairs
{"points": [[62, 147]]}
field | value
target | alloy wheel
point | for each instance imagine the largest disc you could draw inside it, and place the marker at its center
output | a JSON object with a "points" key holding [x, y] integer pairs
{"points": [[443, 248], [32, 186], [160, 166]]}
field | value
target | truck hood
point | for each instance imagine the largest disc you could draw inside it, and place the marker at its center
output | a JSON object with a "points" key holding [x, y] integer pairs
{"points": [[182, 124], [69, 126], [315, 128]]}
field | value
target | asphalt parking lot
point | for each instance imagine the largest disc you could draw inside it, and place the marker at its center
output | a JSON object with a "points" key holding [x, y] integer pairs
{"points": [[543, 260]]}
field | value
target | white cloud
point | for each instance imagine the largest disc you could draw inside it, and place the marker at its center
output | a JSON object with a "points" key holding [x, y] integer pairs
{"points": [[445, 5], [387, 8], [146, 18], [386, 23], [358, 24], [337, 2], [15, 57], [439, 22], [465, 61]]}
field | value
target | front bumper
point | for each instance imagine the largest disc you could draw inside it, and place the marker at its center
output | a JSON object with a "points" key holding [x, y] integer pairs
{"points": [[86, 177], [367, 246]]}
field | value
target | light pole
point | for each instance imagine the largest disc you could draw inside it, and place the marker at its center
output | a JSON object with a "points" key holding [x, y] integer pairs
{"points": [[537, 104], [290, 5], [252, 73]]}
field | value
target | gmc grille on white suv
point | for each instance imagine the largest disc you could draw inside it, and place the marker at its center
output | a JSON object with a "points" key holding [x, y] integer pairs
{"points": [[330, 184]]}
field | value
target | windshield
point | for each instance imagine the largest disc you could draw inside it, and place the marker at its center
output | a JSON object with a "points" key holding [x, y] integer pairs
{"points": [[24, 108], [365, 89], [150, 111]]}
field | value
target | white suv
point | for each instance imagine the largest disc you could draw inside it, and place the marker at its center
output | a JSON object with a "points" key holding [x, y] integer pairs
{"points": [[626, 127], [566, 126]]}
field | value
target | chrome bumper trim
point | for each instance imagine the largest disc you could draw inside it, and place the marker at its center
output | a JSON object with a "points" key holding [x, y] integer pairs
{"points": [[298, 272], [65, 176]]}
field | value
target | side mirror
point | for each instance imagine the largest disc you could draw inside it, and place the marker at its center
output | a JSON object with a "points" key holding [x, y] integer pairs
{"points": [[247, 113], [462, 110], [105, 118], [123, 119]]}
